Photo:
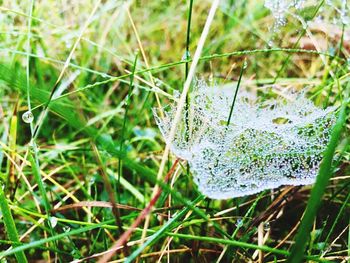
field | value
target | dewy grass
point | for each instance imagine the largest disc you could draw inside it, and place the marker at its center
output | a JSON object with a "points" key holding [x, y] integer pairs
{"points": [[318, 190], [44, 41]]}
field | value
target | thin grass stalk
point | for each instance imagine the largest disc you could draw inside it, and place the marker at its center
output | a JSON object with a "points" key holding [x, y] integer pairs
{"points": [[236, 92], [29, 33], [127, 105], [187, 56]]}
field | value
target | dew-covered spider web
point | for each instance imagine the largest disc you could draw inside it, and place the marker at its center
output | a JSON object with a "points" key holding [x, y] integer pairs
{"points": [[280, 8], [265, 145]]}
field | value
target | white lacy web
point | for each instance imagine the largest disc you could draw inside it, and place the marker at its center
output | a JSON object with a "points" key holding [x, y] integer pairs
{"points": [[266, 145], [280, 8]]}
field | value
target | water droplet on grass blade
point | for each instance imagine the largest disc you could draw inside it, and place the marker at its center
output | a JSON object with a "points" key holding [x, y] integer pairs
{"points": [[92, 181], [28, 117], [239, 222], [53, 221], [245, 64], [267, 226], [186, 56], [158, 83], [211, 79]]}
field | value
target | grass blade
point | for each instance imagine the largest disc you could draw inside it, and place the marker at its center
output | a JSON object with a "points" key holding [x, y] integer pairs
{"points": [[127, 102], [52, 239], [171, 224], [324, 174], [10, 226]]}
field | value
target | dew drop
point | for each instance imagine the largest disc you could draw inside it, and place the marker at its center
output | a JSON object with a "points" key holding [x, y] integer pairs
{"points": [[186, 56], [245, 64], [266, 226], [92, 180], [176, 94], [239, 222], [53, 221], [345, 19], [68, 43], [211, 78], [158, 83], [28, 117]]}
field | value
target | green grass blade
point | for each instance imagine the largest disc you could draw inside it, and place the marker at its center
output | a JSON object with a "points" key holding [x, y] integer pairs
{"points": [[10, 226], [241, 245], [324, 174], [236, 92], [39, 181], [33, 159], [127, 105], [40, 242], [160, 233]]}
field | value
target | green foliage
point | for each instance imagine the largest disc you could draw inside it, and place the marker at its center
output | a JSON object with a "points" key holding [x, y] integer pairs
{"points": [[55, 188]]}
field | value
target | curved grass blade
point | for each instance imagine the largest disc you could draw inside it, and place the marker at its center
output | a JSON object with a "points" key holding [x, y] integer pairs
{"points": [[324, 174]]}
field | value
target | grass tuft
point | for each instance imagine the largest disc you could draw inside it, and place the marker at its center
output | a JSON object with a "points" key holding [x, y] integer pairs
{"points": [[80, 178]]}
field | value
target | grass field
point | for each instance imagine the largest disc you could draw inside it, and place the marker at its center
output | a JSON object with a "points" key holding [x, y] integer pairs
{"points": [[85, 173]]}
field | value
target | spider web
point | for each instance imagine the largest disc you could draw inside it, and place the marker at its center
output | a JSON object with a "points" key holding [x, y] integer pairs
{"points": [[265, 145]]}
